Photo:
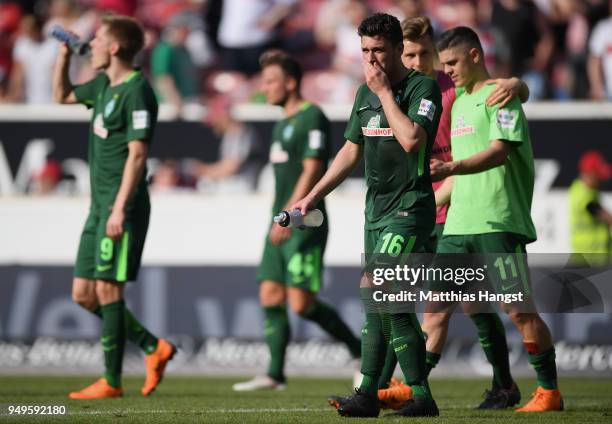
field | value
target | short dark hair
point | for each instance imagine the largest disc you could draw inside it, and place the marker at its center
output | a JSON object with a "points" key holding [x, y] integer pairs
{"points": [[127, 32], [288, 64], [459, 36], [381, 25], [417, 27]]}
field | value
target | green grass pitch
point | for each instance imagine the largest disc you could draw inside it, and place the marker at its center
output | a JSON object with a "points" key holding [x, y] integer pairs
{"points": [[211, 400]]}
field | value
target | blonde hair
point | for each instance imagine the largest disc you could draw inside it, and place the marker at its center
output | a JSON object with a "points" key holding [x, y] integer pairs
{"points": [[416, 28]]}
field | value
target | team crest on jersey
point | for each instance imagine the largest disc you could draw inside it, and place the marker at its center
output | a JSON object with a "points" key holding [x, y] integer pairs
{"points": [[277, 153], [288, 131], [98, 127], [373, 128], [461, 128], [506, 119], [110, 106]]}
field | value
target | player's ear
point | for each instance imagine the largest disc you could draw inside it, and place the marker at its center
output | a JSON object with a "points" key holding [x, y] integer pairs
{"points": [[291, 84], [114, 48], [476, 55]]}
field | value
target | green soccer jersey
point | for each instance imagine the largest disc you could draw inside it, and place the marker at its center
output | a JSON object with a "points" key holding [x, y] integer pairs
{"points": [[121, 113], [303, 135], [397, 181], [497, 200]]}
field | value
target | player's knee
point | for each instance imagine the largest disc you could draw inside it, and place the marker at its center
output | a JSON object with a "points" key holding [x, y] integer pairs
{"points": [[300, 306], [84, 296], [435, 320], [85, 300], [108, 292], [271, 294], [521, 319]]}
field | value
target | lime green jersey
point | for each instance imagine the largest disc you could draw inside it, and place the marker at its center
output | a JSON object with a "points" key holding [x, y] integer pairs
{"points": [[497, 200], [121, 114], [398, 182], [305, 134]]}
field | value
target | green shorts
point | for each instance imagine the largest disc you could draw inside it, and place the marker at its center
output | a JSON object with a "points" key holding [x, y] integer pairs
{"points": [[502, 254], [101, 258], [401, 237], [298, 262], [431, 245]]}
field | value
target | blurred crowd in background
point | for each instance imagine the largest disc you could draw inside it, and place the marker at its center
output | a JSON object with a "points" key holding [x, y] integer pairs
{"points": [[199, 48], [205, 52]]}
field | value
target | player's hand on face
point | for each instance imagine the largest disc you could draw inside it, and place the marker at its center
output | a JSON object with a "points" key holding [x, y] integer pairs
{"points": [[114, 225], [439, 169], [375, 77], [278, 234], [504, 91]]}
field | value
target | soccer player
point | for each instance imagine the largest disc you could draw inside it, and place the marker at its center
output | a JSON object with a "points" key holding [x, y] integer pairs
{"points": [[419, 54], [123, 121], [393, 124], [492, 193], [291, 266]]}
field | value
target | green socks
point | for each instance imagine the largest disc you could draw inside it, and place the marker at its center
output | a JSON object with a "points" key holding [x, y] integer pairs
{"points": [[277, 333], [431, 360], [388, 368], [135, 332], [113, 340], [409, 345], [373, 347], [492, 337], [546, 368], [329, 320]]}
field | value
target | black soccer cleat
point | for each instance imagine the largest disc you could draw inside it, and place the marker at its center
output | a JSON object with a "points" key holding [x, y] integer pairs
{"points": [[497, 398], [417, 407], [361, 404], [338, 401]]}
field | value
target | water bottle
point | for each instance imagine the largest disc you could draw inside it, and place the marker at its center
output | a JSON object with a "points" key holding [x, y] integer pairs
{"points": [[77, 46], [295, 219]]}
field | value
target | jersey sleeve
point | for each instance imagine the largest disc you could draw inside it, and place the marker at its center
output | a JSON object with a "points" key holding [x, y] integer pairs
{"points": [[508, 123], [86, 93], [141, 110], [425, 105], [317, 136], [353, 127]]}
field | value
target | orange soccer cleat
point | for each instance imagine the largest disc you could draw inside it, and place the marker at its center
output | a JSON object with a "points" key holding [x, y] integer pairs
{"points": [[155, 364], [99, 390], [395, 396], [544, 400]]}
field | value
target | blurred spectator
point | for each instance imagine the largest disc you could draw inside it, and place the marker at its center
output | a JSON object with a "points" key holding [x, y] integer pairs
{"points": [[46, 181], [118, 7], [589, 221], [600, 60], [172, 68], [167, 177], [83, 23], [240, 159], [451, 13], [529, 40], [247, 29], [10, 15], [336, 29], [33, 59]]}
